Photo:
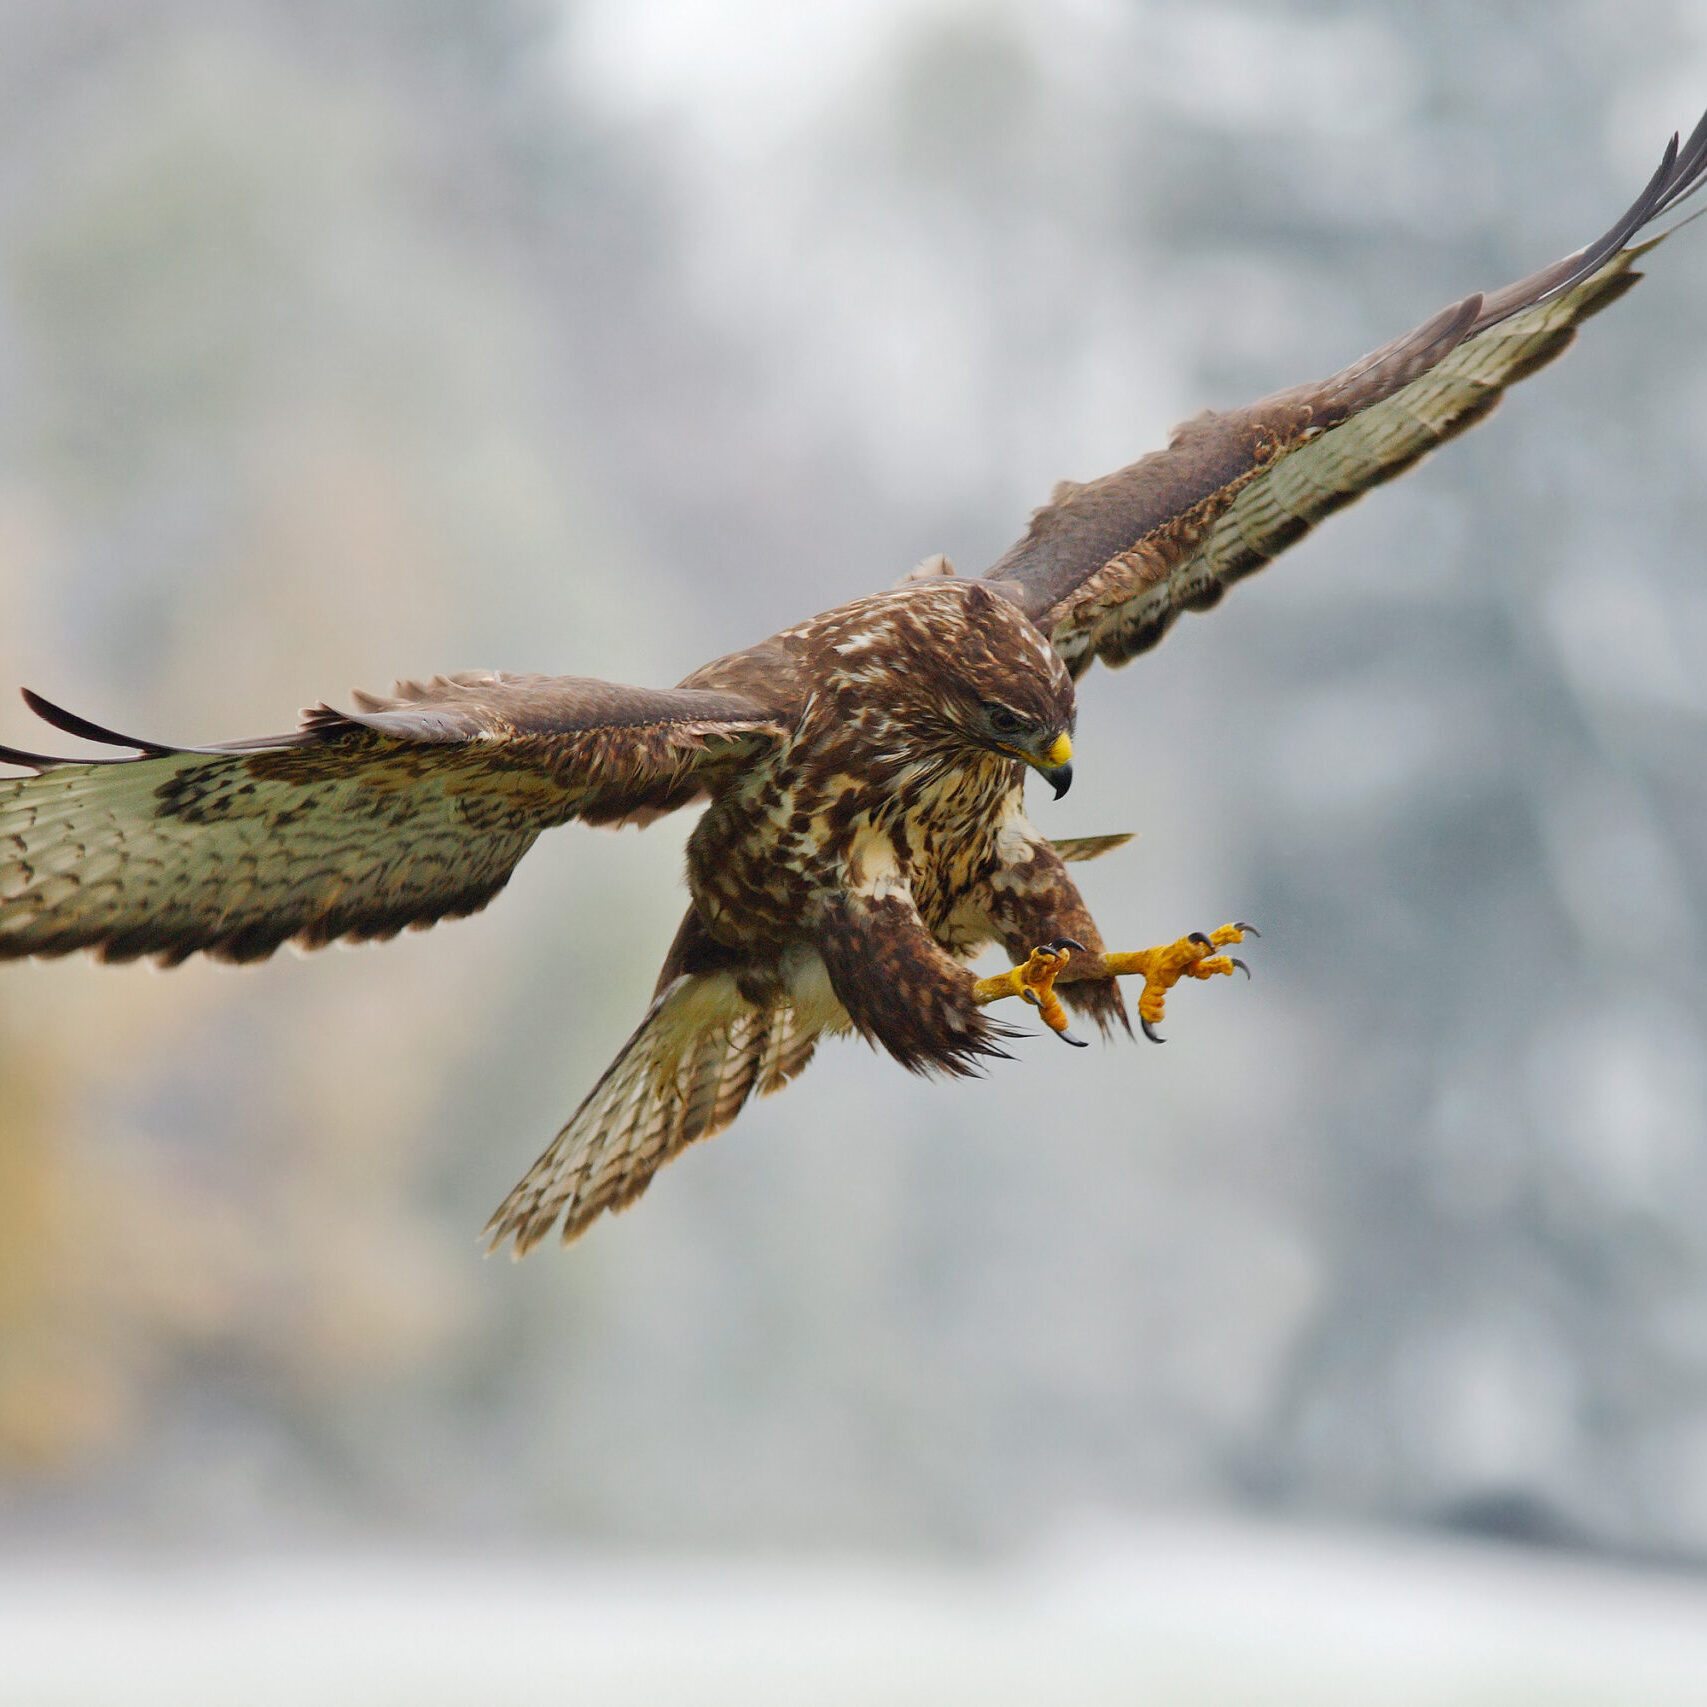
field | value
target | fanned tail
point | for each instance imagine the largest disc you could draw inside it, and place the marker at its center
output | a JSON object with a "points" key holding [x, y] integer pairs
{"points": [[701, 1051]]}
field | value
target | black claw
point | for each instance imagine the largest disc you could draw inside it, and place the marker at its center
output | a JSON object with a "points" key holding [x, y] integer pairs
{"points": [[1151, 1032], [1249, 930], [1198, 936], [1240, 964], [1068, 1037], [1062, 943]]}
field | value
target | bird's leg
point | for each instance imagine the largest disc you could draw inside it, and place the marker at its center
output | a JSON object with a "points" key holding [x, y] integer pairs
{"points": [[1161, 968], [1192, 956], [1034, 982]]}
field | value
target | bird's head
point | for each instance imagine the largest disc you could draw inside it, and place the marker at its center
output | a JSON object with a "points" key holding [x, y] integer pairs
{"points": [[958, 666]]}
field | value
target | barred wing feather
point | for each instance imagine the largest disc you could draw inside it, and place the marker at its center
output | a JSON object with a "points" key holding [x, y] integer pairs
{"points": [[412, 808], [696, 1058], [1106, 567]]}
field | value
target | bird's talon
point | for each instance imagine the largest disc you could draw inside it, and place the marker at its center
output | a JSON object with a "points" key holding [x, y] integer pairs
{"points": [[1034, 984], [1193, 956], [1161, 968], [1068, 1037]]}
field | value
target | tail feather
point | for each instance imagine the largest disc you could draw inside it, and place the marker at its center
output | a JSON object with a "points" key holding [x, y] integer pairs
{"points": [[701, 1051]]}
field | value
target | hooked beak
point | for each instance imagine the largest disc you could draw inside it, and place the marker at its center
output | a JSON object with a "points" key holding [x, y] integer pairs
{"points": [[1056, 766]]}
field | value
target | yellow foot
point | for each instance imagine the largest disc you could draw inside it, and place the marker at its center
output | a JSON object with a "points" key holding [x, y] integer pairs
{"points": [[1192, 956], [1034, 982]]}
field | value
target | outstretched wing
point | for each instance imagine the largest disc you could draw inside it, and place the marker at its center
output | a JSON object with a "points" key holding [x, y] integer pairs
{"points": [[406, 810], [1106, 567]]}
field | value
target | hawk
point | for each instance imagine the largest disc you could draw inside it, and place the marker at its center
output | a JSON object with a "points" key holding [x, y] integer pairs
{"points": [[863, 835]]}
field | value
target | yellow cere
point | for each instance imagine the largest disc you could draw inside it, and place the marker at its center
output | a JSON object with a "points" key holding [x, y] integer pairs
{"points": [[1060, 751]]}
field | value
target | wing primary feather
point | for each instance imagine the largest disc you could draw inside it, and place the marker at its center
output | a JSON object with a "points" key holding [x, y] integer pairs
{"points": [[1681, 172], [42, 761], [1688, 173], [1075, 848], [1107, 565], [69, 723], [333, 833]]}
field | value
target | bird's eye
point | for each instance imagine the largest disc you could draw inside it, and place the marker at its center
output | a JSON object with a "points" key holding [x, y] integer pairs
{"points": [[1003, 721]]}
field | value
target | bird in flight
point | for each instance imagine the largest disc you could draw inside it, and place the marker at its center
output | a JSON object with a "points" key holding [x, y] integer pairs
{"points": [[864, 834]]}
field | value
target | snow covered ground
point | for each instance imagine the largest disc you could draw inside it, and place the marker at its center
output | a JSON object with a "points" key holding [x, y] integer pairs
{"points": [[1169, 1615]]}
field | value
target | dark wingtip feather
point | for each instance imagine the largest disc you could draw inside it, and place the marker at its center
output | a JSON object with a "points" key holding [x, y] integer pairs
{"points": [[1681, 172], [31, 761], [1688, 168], [70, 723]]}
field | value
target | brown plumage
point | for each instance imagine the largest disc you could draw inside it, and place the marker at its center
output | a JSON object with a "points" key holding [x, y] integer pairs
{"points": [[864, 834]]}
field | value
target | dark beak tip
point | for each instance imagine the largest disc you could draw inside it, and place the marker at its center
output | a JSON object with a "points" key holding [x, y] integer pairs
{"points": [[1061, 779]]}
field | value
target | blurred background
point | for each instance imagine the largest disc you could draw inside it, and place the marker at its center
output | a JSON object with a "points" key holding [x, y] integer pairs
{"points": [[347, 341]]}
